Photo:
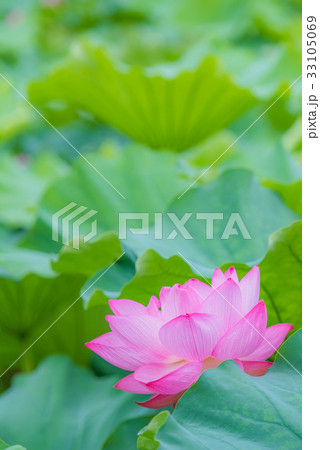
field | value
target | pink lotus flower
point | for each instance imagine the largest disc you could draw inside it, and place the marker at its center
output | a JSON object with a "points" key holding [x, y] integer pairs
{"points": [[193, 327]]}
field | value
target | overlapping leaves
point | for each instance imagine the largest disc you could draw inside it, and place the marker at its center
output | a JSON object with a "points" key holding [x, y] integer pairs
{"points": [[32, 304], [259, 210], [282, 294], [227, 408], [67, 407], [180, 82]]}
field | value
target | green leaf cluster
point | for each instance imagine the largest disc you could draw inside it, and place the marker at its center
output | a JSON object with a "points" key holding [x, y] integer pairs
{"points": [[169, 103]]}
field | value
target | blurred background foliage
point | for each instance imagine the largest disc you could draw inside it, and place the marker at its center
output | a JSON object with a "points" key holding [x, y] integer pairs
{"points": [[152, 93]]}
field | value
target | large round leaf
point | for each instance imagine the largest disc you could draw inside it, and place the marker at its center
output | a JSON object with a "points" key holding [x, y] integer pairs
{"points": [[249, 213], [61, 406], [174, 109], [138, 173]]}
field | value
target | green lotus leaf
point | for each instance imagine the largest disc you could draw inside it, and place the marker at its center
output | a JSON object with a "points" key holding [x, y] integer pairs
{"points": [[60, 405], [22, 185], [245, 214], [175, 108], [227, 408], [137, 173], [47, 311], [281, 276], [280, 289]]}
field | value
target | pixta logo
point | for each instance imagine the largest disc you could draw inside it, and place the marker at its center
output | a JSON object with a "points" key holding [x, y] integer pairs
{"points": [[69, 226], [233, 225]]}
